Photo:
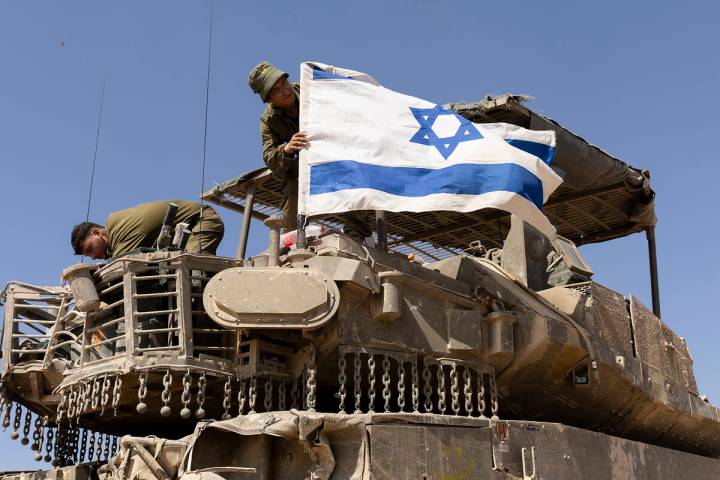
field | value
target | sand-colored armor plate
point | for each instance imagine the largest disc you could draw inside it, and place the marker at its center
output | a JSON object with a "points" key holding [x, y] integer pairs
{"points": [[241, 297]]}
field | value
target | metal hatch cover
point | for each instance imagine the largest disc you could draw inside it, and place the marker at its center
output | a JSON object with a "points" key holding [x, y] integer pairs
{"points": [[271, 298]]}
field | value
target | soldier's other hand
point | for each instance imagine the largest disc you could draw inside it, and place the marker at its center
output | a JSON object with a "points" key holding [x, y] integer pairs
{"points": [[296, 143]]}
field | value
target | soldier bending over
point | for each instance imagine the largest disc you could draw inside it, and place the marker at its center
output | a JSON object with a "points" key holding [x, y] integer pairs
{"points": [[140, 226]]}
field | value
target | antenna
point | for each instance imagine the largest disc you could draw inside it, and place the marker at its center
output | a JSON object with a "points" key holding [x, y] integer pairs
{"points": [[207, 97], [97, 141]]}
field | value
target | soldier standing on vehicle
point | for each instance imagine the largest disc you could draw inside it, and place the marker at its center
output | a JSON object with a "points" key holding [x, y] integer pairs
{"points": [[282, 141], [279, 127]]}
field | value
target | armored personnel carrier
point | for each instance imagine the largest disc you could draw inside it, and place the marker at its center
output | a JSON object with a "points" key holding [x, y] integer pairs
{"points": [[448, 345]]}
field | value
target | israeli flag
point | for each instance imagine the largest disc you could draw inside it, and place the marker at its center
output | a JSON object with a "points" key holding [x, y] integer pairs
{"points": [[375, 149]]}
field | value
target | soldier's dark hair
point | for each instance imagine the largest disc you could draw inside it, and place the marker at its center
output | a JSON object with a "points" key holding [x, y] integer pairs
{"points": [[79, 233]]}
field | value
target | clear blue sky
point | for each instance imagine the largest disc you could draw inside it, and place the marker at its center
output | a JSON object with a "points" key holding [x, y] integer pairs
{"points": [[638, 79]]}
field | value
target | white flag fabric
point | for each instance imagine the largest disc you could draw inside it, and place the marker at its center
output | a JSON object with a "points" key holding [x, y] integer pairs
{"points": [[375, 149]]}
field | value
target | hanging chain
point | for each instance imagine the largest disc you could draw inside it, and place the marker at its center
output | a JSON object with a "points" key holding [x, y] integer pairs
{"points": [[311, 380], [36, 434], [185, 397], [241, 398], [66, 441], [60, 412], [142, 393], [79, 406], [268, 394], [415, 387], [401, 386], [69, 447], [95, 395], [441, 388], [104, 394], [454, 390], [49, 444], [57, 446], [386, 383], [114, 445], [295, 394], [98, 446], [84, 398], [76, 401], [26, 427], [89, 394], [41, 437], [481, 394], [227, 399], [371, 380], [200, 397], [467, 391], [83, 444], [252, 394], [357, 392], [117, 388], [91, 446], [76, 442], [342, 379], [281, 395], [72, 450], [8, 408], [72, 399], [91, 450], [493, 397], [427, 387], [165, 396], [16, 422], [106, 447]]}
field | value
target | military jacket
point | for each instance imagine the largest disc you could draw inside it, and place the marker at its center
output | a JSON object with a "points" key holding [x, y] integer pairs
{"points": [[276, 129], [140, 226]]}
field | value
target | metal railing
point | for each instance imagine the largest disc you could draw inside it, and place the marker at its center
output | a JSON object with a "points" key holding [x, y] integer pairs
{"points": [[31, 313]]}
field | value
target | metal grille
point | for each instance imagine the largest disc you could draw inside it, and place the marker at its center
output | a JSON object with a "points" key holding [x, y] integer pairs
{"points": [[582, 217], [30, 314], [611, 320], [653, 342]]}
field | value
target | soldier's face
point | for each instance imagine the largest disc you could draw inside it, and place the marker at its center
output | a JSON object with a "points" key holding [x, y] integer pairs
{"points": [[281, 94], [95, 245]]}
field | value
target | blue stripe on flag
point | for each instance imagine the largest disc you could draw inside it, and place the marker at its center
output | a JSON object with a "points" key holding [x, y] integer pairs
{"points": [[544, 152], [323, 75], [463, 179]]}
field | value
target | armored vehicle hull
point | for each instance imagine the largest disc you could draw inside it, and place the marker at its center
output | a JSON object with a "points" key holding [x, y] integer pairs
{"points": [[420, 353], [296, 445]]}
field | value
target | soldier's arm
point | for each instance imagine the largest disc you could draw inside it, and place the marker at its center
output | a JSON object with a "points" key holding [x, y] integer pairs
{"points": [[273, 154]]}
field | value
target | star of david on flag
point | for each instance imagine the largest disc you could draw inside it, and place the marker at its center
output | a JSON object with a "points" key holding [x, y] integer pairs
{"points": [[426, 117], [375, 149]]}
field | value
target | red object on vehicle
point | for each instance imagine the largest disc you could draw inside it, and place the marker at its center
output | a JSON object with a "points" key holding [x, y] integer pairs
{"points": [[289, 239]]}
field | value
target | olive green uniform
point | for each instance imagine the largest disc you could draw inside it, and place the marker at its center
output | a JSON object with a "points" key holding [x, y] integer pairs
{"points": [[140, 226], [276, 129]]}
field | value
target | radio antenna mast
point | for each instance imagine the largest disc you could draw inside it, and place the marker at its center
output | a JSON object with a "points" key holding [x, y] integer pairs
{"points": [[97, 141], [207, 98]]}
